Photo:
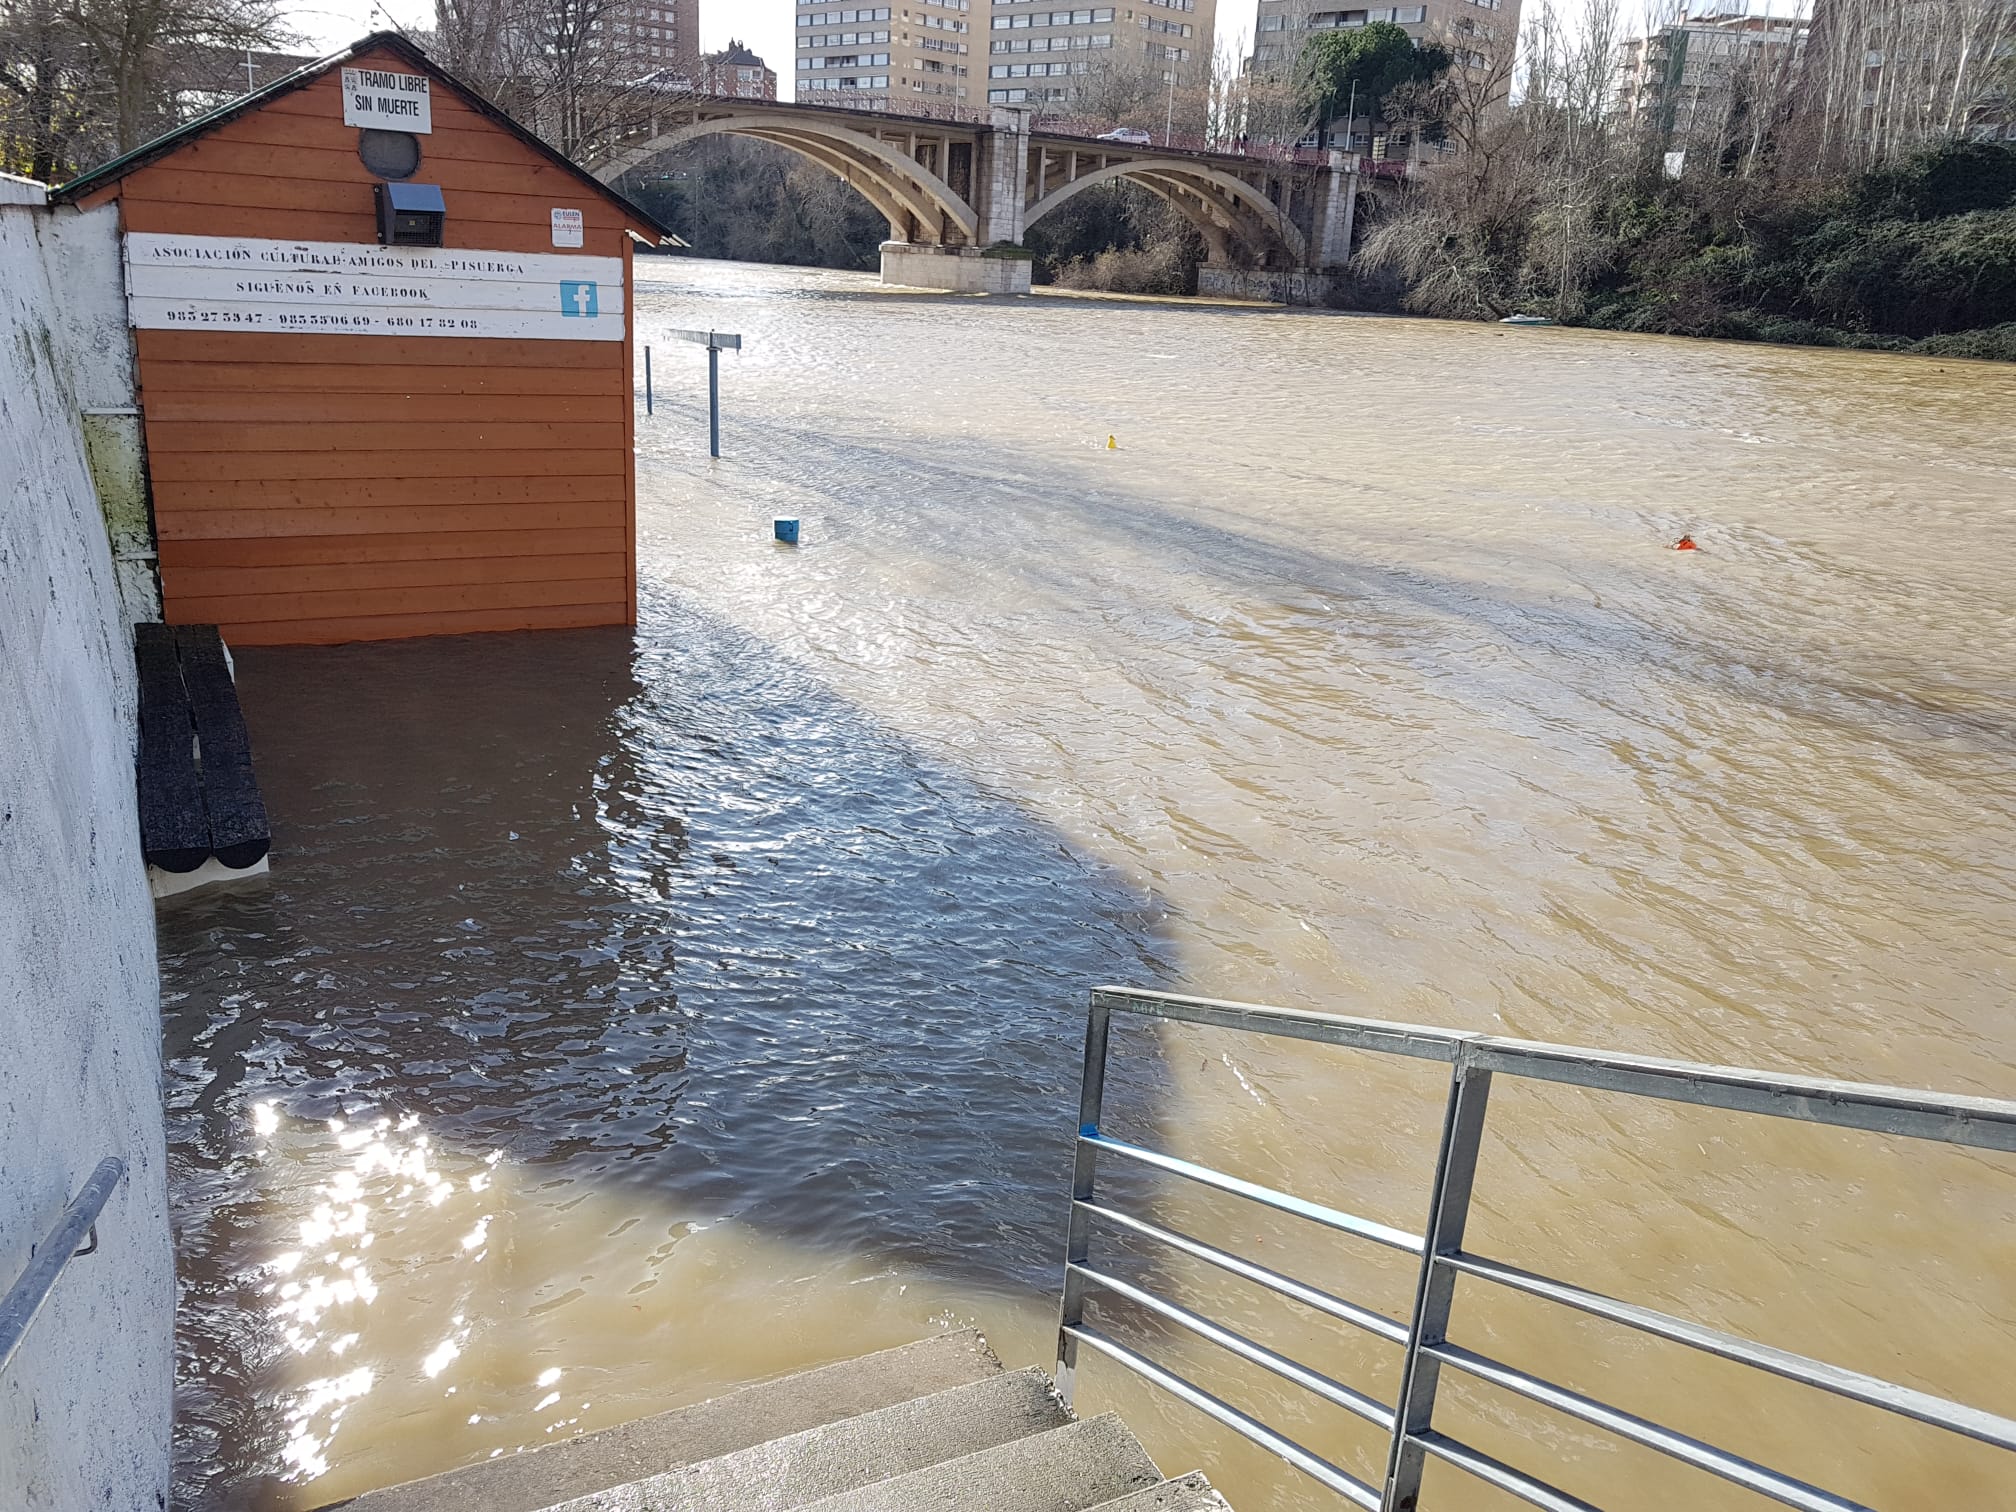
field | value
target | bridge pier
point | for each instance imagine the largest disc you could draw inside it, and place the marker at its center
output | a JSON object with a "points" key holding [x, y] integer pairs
{"points": [[1335, 214], [959, 270], [996, 262], [1001, 180], [1332, 222]]}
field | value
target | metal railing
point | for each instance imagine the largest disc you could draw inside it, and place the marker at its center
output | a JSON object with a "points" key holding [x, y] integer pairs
{"points": [[66, 1242], [1412, 1439]]}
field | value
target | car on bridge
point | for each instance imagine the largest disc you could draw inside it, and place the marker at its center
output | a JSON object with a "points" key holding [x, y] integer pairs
{"points": [[1133, 136]]}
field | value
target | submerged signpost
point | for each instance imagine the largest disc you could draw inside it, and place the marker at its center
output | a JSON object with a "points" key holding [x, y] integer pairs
{"points": [[716, 343]]}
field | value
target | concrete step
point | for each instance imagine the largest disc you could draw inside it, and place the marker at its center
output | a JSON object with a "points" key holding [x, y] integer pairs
{"points": [[541, 1478], [1068, 1469], [1187, 1493], [825, 1462]]}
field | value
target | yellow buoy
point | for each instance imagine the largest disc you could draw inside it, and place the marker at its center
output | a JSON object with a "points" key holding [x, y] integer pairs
{"points": [[1111, 444]]}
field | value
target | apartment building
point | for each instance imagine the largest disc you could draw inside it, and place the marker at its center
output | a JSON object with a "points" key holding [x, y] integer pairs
{"points": [[1686, 81], [916, 58], [658, 33], [637, 37], [736, 73], [926, 57], [1467, 27], [1043, 53]]}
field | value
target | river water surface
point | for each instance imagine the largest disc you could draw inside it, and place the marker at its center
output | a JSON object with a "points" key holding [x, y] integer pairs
{"points": [[631, 1016]]}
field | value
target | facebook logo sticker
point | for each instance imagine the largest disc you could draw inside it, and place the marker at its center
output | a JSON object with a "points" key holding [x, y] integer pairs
{"points": [[577, 299]]}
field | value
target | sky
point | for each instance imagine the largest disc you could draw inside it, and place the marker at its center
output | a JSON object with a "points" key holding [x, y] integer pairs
{"points": [[766, 25]]}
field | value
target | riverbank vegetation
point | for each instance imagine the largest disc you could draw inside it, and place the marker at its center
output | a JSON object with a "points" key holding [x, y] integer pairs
{"points": [[1794, 192], [1795, 210], [1922, 252]]}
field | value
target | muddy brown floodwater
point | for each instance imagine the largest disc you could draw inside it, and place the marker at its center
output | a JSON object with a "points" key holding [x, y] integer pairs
{"points": [[627, 1017]]}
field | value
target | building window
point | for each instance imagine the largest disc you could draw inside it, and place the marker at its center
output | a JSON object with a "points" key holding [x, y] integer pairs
{"points": [[1054, 18], [843, 17]]}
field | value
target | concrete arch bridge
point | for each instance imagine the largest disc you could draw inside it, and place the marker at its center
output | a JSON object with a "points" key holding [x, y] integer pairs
{"points": [[959, 195]]}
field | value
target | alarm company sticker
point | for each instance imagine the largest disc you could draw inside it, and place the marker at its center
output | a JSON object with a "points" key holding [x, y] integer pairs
{"points": [[566, 228]]}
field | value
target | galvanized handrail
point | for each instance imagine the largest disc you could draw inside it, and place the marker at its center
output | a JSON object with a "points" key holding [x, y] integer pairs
{"points": [[1975, 1122], [66, 1242]]}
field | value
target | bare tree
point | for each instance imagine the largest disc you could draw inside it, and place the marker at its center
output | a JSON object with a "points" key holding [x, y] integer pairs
{"points": [[575, 71], [1465, 106], [1884, 77], [1511, 221], [39, 68], [470, 39], [1568, 94], [1224, 111], [1160, 95], [137, 52], [1269, 105], [84, 80]]}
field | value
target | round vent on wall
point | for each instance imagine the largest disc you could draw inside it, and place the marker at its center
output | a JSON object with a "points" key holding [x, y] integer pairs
{"points": [[389, 154]]}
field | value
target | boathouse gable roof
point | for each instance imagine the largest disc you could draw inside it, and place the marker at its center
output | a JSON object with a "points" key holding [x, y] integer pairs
{"points": [[377, 45]]}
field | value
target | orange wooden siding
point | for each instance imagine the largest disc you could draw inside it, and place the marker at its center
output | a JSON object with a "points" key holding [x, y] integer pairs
{"points": [[317, 488]]}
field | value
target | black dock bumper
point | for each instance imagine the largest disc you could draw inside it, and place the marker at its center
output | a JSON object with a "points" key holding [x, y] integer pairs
{"points": [[199, 799]]}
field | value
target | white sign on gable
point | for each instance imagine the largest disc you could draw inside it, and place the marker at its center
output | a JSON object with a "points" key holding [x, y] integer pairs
{"points": [[388, 101], [567, 228], [231, 283]]}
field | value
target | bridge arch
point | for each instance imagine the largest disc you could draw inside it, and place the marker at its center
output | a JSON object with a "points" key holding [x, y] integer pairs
{"points": [[898, 209], [902, 188], [1214, 201], [1217, 240]]}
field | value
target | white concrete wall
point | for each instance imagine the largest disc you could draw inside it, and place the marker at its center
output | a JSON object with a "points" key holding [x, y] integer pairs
{"points": [[85, 1407], [81, 253]]}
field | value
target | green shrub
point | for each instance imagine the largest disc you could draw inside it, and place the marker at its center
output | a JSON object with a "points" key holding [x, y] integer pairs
{"points": [[1811, 333], [1798, 333], [1950, 179], [1912, 277], [1995, 343]]}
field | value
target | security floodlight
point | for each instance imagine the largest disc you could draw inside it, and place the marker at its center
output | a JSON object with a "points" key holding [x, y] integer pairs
{"points": [[410, 215]]}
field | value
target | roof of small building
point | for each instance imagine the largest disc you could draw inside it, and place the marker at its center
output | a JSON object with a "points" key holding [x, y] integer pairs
{"points": [[393, 42], [737, 52]]}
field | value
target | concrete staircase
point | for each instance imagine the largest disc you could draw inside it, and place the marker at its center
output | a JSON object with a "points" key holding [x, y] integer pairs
{"points": [[930, 1427]]}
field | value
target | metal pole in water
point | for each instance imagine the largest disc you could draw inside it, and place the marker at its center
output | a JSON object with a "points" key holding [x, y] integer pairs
{"points": [[716, 343], [713, 397], [647, 380]]}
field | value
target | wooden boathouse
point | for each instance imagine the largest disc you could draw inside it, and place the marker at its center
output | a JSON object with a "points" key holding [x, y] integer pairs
{"points": [[384, 345]]}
